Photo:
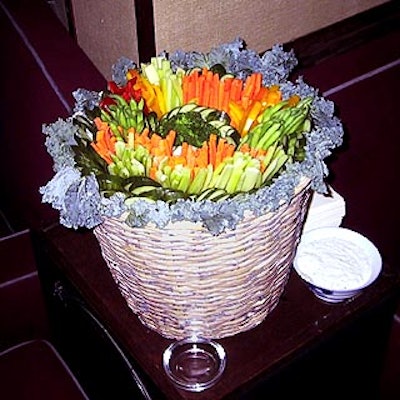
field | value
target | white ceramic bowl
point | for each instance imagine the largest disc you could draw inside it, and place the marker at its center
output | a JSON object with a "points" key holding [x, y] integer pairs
{"points": [[337, 263]]}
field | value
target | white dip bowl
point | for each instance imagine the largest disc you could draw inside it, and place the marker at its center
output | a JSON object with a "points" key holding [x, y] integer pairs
{"points": [[337, 263]]}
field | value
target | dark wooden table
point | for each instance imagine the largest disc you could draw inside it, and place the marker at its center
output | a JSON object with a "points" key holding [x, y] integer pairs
{"points": [[339, 345], [304, 347]]}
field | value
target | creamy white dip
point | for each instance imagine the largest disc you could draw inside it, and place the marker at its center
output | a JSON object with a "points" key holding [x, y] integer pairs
{"points": [[333, 263]]}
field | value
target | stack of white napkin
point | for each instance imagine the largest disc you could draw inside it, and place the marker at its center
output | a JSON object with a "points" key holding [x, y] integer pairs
{"points": [[325, 211]]}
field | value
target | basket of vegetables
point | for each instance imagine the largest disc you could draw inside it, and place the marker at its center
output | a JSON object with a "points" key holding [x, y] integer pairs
{"points": [[194, 171]]}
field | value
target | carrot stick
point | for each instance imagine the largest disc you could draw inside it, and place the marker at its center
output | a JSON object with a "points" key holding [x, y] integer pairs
{"points": [[220, 150], [191, 157], [200, 87], [215, 91], [143, 138], [176, 160], [103, 143], [212, 149], [108, 139], [257, 85], [184, 149], [229, 150], [227, 96], [101, 153], [138, 139], [245, 148], [202, 159], [262, 95], [209, 75], [158, 150], [213, 103], [153, 170], [145, 133], [205, 95], [192, 78], [251, 88], [221, 95], [154, 140], [193, 85], [100, 124], [248, 86], [185, 88], [228, 83], [247, 90], [170, 140], [236, 89]]}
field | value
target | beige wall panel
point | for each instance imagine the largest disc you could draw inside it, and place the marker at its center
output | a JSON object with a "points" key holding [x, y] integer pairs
{"points": [[201, 24], [106, 30]]}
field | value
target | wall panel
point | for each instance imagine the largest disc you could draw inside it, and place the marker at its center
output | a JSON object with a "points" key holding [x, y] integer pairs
{"points": [[106, 30], [109, 29], [200, 24]]}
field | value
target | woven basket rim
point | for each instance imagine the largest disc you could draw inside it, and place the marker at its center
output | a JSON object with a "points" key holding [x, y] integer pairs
{"points": [[183, 225]]}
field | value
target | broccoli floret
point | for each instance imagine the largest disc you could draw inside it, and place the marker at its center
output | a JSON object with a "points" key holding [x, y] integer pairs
{"points": [[191, 128]]}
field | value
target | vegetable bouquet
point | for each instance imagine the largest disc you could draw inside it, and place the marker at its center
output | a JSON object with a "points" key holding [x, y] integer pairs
{"points": [[190, 136]]}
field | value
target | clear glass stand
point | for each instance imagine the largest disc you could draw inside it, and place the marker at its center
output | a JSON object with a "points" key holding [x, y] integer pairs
{"points": [[194, 364]]}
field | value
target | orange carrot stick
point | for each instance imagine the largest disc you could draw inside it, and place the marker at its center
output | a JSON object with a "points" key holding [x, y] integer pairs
{"points": [[205, 95], [153, 170], [257, 85], [185, 88], [212, 149], [236, 89], [184, 149], [193, 86], [215, 91], [191, 157], [100, 124], [202, 159], [200, 87], [229, 150], [221, 94], [209, 75], [245, 148], [220, 151], [101, 153], [248, 86], [213, 102], [227, 95], [170, 138]]}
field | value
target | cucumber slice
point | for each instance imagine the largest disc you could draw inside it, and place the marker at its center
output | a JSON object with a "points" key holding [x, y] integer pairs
{"points": [[218, 195], [170, 114], [142, 190], [227, 76], [203, 195], [186, 108], [211, 194], [210, 114]]}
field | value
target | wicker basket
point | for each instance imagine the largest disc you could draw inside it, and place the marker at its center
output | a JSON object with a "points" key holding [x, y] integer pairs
{"points": [[182, 280]]}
